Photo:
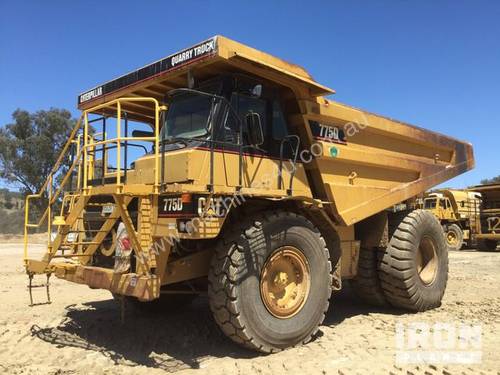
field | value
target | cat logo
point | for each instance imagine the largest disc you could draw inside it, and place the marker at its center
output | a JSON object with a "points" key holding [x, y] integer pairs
{"points": [[217, 207]]}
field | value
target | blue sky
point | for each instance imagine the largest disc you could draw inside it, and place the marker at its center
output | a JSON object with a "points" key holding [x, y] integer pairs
{"points": [[435, 64]]}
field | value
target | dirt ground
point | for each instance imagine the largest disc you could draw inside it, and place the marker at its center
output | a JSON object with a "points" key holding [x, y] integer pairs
{"points": [[81, 333]]}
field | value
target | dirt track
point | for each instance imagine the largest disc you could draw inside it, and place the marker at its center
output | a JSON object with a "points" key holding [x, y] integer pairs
{"points": [[80, 332]]}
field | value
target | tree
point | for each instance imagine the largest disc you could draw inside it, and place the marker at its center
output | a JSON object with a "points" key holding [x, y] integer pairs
{"points": [[493, 180], [30, 146]]}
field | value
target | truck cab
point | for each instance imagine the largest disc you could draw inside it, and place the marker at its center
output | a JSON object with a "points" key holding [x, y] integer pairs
{"points": [[440, 206], [234, 117], [458, 212]]}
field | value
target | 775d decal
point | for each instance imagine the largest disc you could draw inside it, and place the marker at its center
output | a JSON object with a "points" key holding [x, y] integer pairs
{"points": [[187, 205], [327, 133]]}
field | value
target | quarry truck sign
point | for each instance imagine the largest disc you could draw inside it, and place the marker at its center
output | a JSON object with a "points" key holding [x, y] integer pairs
{"points": [[184, 57]]}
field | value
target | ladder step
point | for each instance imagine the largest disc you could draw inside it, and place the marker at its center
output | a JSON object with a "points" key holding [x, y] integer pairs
{"points": [[31, 287]]}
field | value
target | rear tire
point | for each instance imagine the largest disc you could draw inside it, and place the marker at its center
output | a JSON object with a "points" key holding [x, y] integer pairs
{"points": [[454, 237], [414, 267], [245, 276], [487, 245], [367, 285]]}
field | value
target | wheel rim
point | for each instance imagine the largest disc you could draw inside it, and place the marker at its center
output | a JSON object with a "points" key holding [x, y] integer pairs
{"points": [[285, 281], [427, 261], [451, 238]]}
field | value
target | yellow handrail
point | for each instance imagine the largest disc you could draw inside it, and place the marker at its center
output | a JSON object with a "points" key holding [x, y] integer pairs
{"points": [[56, 166], [114, 140], [52, 199], [81, 159]]}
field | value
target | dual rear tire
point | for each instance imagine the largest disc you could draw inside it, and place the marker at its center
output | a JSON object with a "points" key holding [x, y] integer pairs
{"points": [[414, 268], [412, 271], [367, 286]]}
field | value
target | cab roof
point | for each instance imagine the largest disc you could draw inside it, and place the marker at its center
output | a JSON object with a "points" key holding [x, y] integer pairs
{"points": [[207, 59]]}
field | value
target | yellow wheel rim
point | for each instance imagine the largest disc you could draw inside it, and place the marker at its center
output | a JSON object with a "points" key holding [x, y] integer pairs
{"points": [[285, 282], [451, 238], [427, 261]]}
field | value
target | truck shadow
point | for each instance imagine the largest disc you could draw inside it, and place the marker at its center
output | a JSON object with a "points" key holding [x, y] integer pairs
{"points": [[171, 341], [344, 304]]}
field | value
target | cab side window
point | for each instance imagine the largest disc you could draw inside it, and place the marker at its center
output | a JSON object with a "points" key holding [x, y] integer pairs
{"points": [[279, 128], [244, 105], [274, 126]]}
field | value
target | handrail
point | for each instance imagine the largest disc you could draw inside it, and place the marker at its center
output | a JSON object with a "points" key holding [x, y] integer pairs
{"points": [[118, 139], [56, 166], [81, 160], [52, 199], [114, 140], [48, 181]]}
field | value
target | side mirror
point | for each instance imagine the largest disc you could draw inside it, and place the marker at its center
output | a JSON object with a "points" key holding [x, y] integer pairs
{"points": [[257, 91], [254, 126], [191, 81]]}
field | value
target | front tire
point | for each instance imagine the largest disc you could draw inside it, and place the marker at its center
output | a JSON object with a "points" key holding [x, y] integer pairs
{"points": [[270, 282], [454, 237], [414, 268]]}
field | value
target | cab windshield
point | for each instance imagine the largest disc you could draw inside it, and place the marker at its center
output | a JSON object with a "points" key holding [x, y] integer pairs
{"points": [[188, 116], [430, 203]]}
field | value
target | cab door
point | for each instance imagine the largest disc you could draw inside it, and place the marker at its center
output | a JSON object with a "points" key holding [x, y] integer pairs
{"points": [[261, 164]]}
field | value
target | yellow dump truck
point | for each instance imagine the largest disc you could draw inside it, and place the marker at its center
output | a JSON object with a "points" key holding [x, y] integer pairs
{"points": [[458, 211], [221, 168], [488, 237]]}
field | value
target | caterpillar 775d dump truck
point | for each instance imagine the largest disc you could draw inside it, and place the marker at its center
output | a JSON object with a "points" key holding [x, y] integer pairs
{"points": [[458, 212], [224, 169]]}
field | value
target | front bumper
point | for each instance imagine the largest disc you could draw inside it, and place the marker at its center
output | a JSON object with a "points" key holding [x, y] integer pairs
{"points": [[143, 287]]}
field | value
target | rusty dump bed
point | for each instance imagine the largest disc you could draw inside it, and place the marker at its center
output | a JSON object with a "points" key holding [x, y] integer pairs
{"points": [[368, 162]]}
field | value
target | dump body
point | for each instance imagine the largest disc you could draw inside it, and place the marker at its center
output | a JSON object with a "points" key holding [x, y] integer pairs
{"points": [[490, 212], [379, 162], [269, 139]]}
